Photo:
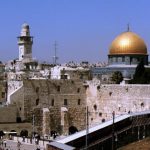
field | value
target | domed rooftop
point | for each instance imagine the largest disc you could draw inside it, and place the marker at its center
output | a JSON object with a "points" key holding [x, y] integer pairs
{"points": [[25, 25], [25, 30], [128, 43]]}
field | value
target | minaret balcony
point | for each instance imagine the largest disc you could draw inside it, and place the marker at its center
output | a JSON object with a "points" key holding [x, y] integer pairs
{"points": [[25, 38]]}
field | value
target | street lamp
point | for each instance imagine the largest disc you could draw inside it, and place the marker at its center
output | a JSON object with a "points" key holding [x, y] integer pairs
{"points": [[87, 128], [33, 130], [113, 130]]}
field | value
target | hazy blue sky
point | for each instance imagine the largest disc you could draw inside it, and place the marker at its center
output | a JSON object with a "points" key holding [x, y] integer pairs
{"points": [[84, 29]]}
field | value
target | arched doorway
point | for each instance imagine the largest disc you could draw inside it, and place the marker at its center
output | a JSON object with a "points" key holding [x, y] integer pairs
{"points": [[18, 120], [53, 134], [1, 133], [13, 133], [24, 133], [72, 130]]}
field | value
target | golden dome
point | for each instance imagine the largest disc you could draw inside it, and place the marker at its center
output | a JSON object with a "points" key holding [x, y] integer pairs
{"points": [[128, 43]]}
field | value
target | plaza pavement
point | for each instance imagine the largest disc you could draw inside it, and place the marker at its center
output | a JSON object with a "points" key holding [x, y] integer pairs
{"points": [[13, 145]]}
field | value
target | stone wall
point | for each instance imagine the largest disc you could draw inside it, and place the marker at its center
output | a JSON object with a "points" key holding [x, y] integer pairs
{"points": [[54, 94], [17, 98], [13, 85], [8, 114], [3, 92], [17, 127], [104, 99], [67, 100], [83, 74], [46, 121]]}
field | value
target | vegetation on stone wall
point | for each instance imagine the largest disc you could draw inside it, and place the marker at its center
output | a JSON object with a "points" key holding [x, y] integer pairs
{"points": [[141, 75], [117, 77]]}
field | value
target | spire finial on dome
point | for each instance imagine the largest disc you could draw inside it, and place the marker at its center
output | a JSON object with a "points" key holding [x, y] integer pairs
{"points": [[128, 27]]}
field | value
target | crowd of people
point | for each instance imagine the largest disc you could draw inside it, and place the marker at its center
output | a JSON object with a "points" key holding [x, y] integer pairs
{"points": [[5, 146]]}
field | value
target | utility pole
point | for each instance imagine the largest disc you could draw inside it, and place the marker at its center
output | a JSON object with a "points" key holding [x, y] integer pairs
{"points": [[113, 130], [33, 119], [87, 127]]}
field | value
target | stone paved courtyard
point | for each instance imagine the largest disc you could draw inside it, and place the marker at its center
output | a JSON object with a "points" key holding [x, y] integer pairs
{"points": [[13, 145]]}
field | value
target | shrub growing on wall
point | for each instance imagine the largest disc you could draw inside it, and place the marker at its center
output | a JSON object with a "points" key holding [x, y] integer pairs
{"points": [[117, 77], [141, 75]]}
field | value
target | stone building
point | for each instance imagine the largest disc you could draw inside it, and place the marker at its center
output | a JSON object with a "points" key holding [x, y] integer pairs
{"points": [[103, 99], [25, 42], [55, 103], [65, 100], [56, 98], [125, 53], [3, 92], [25, 61], [128, 49], [60, 105], [3, 84], [63, 72]]}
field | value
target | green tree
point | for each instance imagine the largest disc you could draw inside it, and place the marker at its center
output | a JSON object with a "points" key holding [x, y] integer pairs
{"points": [[117, 77], [140, 76], [139, 71]]}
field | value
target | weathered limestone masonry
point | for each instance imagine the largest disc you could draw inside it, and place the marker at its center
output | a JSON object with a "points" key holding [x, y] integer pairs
{"points": [[8, 114], [77, 74], [61, 104], [18, 127], [3, 92], [46, 121], [103, 99], [15, 96], [55, 94]]}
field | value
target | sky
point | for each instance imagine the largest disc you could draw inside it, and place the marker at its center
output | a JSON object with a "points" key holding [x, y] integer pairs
{"points": [[83, 29]]}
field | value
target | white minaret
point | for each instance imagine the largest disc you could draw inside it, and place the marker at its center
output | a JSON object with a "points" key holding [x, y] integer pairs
{"points": [[25, 42]]}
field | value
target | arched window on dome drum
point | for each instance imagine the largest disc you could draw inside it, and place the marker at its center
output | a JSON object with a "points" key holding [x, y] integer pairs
{"points": [[123, 59]]}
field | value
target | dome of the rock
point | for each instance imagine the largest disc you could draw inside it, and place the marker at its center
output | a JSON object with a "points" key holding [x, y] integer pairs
{"points": [[128, 43]]}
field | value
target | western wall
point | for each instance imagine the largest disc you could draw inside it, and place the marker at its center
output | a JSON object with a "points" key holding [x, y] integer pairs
{"points": [[103, 99], [65, 100], [60, 104], [8, 114]]}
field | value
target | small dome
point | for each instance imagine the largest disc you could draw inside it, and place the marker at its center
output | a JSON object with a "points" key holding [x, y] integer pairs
{"points": [[25, 25], [128, 43], [25, 30]]}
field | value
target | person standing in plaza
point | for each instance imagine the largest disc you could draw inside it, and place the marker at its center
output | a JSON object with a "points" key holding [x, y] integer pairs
{"points": [[5, 143], [18, 145]]}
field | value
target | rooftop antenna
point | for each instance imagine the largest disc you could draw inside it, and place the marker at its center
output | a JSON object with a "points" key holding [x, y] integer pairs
{"points": [[55, 53]]}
